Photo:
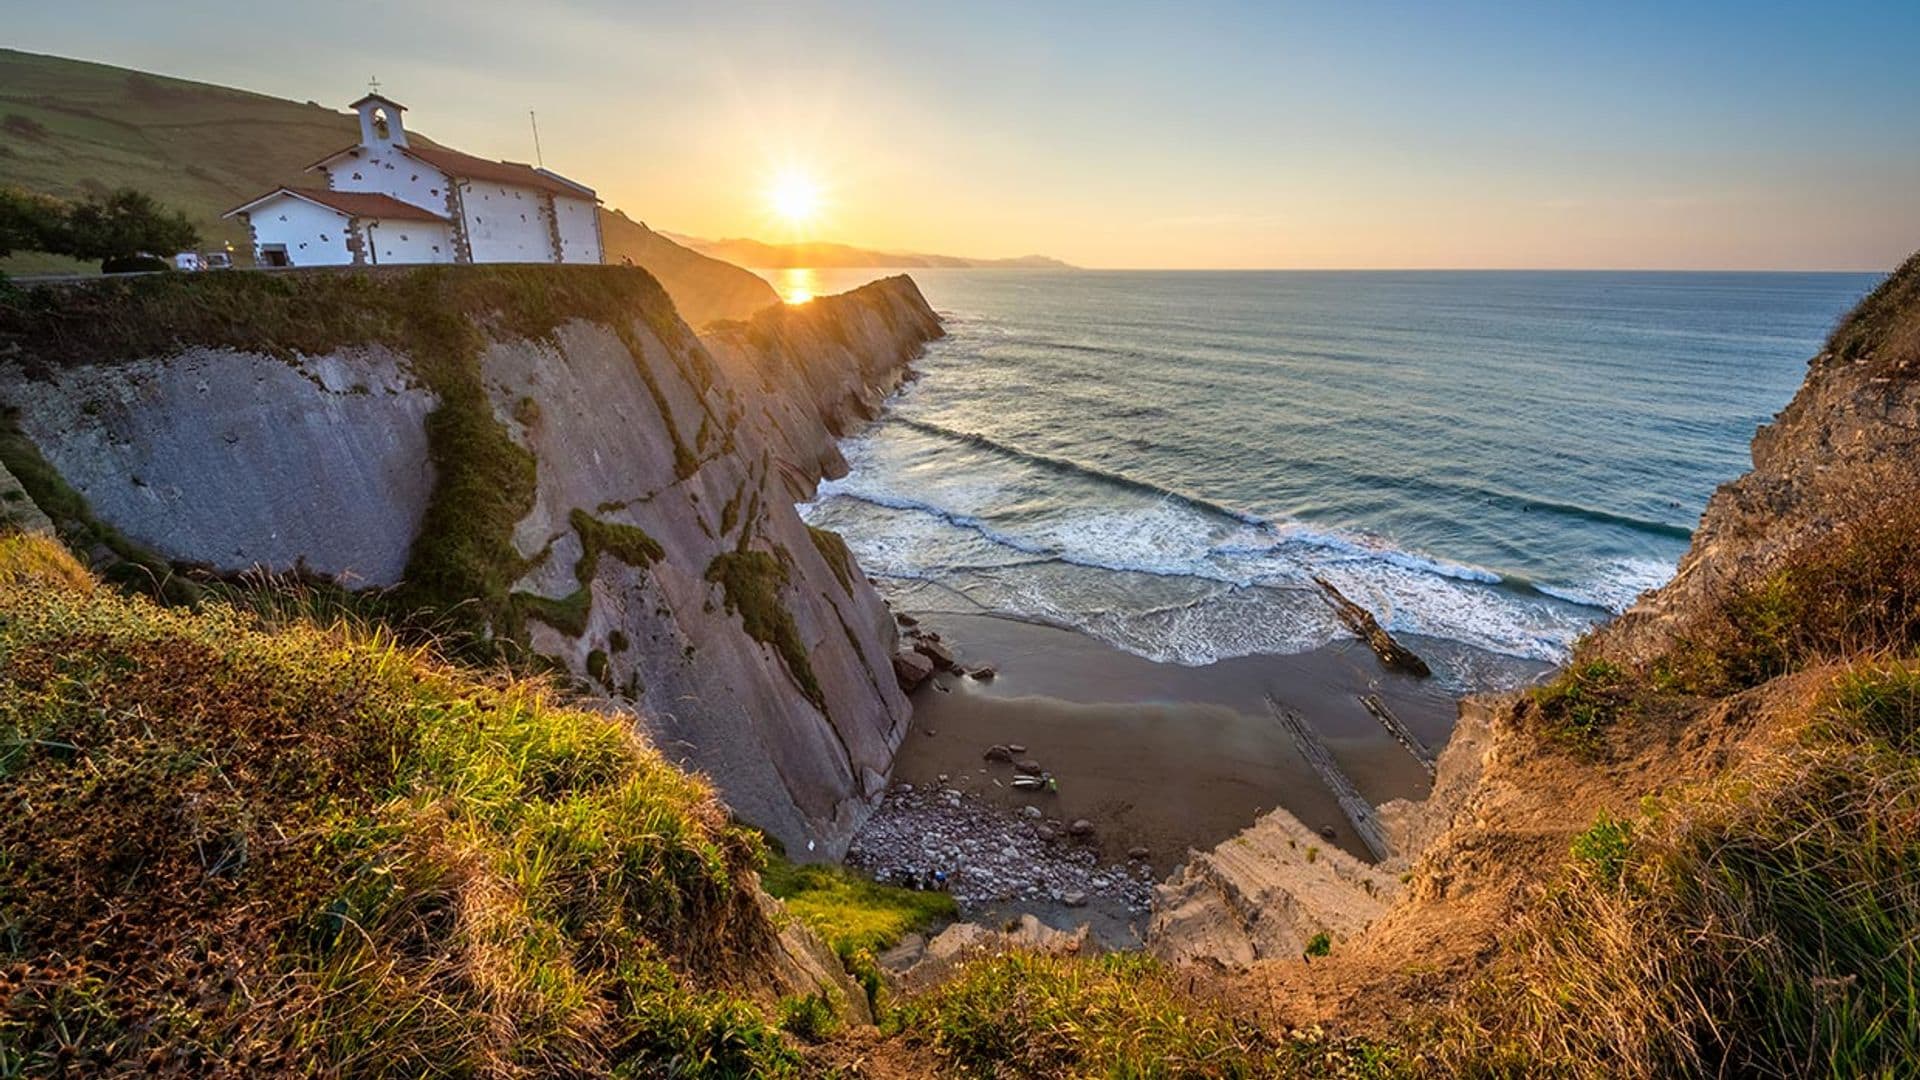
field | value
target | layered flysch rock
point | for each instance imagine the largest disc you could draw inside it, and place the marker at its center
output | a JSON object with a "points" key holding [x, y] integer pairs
{"points": [[661, 560], [823, 369]]}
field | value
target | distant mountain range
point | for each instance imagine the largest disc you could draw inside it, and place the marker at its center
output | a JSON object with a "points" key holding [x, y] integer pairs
{"points": [[824, 256]]}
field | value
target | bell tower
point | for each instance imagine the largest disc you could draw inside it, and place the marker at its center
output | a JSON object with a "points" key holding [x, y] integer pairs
{"points": [[380, 122]]}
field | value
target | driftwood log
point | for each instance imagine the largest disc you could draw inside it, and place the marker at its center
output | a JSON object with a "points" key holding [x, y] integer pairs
{"points": [[1368, 629]]}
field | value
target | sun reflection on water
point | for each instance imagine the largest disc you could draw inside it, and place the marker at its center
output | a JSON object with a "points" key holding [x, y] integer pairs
{"points": [[796, 285]]}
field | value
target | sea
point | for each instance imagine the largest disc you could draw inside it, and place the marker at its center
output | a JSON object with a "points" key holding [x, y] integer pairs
{"points": [[1493, 462]]}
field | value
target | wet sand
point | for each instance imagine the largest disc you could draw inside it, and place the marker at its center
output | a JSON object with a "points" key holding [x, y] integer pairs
{"points": [[1156, 755]]}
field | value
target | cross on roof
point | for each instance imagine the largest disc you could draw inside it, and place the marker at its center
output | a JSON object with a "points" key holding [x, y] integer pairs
{"points": [[373, 85]]}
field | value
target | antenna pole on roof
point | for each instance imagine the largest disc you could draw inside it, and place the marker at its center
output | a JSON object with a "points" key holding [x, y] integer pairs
{"points": [[535, 121]]}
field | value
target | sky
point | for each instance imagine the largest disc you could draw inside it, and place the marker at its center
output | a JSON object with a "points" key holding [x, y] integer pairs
{"points": [[1544, 134]]}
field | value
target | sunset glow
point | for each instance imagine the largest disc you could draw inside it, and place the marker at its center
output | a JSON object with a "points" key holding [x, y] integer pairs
{"points": [[795, 198]]}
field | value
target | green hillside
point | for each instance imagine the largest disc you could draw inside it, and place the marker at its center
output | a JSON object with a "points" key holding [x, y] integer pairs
{"points": [[72, 128]]}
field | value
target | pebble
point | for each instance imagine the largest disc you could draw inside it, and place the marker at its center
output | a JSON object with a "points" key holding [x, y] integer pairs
{"points": [[989, 853], [1139, 853], [1081, 827]]}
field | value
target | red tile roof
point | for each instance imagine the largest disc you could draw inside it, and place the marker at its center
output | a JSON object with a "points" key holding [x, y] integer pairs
{"points": [[364, 204], [455, 163]]}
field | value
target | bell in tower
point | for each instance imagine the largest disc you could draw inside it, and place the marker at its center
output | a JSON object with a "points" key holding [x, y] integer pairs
{"points": [[380, 121]]}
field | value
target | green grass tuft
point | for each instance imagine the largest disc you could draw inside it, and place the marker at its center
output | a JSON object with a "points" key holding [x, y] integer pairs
{"points": [[850, 912], [1604, 847], [1117, 1015], [808, 1017], [1882, 701], [833, 548], [1582, 702]]}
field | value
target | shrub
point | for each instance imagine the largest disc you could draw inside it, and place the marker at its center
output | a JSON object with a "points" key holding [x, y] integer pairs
{"points": [[1582, 702], [1320, 944], [25, 127]]}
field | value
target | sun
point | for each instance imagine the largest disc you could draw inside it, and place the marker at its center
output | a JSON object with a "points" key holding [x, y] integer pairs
{"points": [[794, 198]]}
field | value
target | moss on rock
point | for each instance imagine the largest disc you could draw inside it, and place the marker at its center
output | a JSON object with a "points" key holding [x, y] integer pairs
{"points": [[751, 582]]}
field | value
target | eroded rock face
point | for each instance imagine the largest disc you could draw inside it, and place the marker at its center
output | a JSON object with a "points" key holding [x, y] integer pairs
{"points": [[1843, 447], [236, 460], [824, 368], [663, 563]]}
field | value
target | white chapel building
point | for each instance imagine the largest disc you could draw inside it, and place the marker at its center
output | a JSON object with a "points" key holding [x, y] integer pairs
{"points": [[388, 201]]}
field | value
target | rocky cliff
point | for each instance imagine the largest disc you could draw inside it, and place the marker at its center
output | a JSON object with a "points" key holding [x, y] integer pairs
{"points": [[541, 460]]}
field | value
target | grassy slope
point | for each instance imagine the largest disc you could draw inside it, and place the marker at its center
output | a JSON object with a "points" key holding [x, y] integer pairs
{"points": [[201, 148], [229, 844], [205, 149]]}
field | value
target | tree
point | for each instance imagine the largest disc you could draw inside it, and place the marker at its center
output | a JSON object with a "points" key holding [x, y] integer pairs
{"points": [[30, 222], [126, 223]]}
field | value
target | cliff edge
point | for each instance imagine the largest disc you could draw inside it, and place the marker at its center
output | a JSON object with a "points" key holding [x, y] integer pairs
{"points": [[1677, 856], [540, 461]]}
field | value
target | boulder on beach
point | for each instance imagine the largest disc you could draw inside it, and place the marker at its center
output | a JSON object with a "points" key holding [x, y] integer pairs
{"points": [[911, 669], [997, 752], [984, 673], [931, 648]]}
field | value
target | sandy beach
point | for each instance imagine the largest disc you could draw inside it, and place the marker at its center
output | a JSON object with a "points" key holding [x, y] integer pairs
{"points": [[1161, 756]]}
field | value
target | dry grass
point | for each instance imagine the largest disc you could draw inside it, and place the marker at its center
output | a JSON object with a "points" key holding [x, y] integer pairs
{"points": [[227, 847], [1885, 327], [1768, 924], [1853, 592]]}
